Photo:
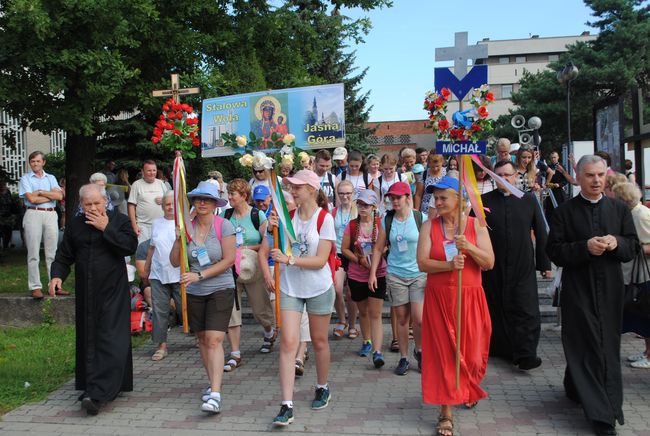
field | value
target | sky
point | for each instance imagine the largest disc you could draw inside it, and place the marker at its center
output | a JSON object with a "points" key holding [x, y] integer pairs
{"points": [[400, 49]]}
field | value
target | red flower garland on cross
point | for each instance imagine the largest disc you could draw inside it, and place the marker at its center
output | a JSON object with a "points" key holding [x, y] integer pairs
{"points": [[436, 104], [177, 128]]}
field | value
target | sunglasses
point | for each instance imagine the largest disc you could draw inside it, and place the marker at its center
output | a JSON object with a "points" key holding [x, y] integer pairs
{"points": [[258, 171], [203, 199]]}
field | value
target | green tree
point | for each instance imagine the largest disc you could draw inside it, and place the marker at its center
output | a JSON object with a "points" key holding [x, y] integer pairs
{"points": [[610, 66]]}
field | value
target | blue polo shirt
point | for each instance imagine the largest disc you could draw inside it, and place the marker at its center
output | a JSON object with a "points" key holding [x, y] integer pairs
{"points": [[30, 182]]}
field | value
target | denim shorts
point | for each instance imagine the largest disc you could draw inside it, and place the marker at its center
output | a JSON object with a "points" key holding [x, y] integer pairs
{"points": [[322, 304]]}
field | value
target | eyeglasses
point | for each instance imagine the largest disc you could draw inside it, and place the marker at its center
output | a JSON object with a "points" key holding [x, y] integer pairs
{"points": [[345, 193], [202, 199], [258, 171], [505, 174]]}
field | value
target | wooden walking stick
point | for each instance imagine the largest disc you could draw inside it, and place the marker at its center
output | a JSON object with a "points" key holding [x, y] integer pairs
{"points": [[276, 245], [460, 274]]}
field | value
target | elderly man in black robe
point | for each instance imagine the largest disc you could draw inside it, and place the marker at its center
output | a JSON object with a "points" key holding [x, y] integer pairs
{"points": [[97, 242], [511, 286], [591, 235]]}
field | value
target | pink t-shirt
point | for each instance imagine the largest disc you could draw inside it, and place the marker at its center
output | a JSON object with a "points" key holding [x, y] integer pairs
{"points": [[356, 271]]}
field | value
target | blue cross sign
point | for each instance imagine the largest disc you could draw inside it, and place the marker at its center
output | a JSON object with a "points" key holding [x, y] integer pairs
{"points": [[476, 77]]}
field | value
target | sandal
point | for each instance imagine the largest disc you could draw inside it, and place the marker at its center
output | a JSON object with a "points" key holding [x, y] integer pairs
{"points": [[159, 355], [233, 363], [445, 426], [353, 333], [394, 346], [339, 331], [267, 343]]}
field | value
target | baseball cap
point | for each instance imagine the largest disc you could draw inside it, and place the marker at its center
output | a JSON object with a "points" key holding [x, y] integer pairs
{"points": [[368, 196], [304, 177], [340, 153], [261, 192], [418, 168], [445, 183], [399, 188]]}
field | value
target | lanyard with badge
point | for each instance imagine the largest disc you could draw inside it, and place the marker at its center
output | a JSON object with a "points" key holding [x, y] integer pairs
{"points": [[239, 231], [402, 243], [200, 253], [448, 245]]}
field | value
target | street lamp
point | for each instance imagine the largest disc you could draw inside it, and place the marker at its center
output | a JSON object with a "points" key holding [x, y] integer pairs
{"points": [[565, 76]]}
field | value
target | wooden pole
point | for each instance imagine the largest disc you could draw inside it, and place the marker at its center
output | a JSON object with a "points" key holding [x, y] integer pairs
{"points": [[276, 245], [460, 273], [179, 217]]}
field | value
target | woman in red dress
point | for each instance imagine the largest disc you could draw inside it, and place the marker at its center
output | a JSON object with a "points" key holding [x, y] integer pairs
{"points": [[441, 254]]}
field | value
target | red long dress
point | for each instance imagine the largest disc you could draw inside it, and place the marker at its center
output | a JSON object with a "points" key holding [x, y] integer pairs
{"points": [[439, 329]]}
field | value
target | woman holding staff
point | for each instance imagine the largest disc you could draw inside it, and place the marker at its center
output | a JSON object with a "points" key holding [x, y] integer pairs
{"points": [[445, 246]]}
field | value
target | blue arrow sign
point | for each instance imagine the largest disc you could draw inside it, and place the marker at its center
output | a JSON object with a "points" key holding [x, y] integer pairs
{"points": [[476, 77], [464, 147]]}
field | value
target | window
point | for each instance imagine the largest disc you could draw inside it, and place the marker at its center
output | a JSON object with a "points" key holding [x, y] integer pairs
{"points": [[520, 59], [553, 58], [506, 91], [504, 60]]}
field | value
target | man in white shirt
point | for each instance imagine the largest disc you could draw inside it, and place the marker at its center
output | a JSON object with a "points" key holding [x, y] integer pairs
{"points": [[322, 167], [40, 192], [145, 200]]}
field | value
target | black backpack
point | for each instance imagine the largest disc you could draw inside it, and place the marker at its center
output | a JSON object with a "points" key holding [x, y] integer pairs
{"points": [[366, 182], [255, 216]]}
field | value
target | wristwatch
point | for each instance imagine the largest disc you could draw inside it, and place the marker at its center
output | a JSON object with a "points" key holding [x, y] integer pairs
{"points": [[291, 260], [200, 275]]}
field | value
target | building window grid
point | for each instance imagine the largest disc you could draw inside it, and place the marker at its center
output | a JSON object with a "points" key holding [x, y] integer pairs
{"points": [[57, 141], [404, 139], [13, 158], [389, 139]]}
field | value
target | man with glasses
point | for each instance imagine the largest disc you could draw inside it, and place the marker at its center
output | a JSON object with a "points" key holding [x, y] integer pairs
{"points": [[511, 286]]}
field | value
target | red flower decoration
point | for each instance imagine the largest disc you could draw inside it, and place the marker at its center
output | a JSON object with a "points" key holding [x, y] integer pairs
{"points": [[445, 93], [482, 112], [177, 132], [443, 124], [489, 96]]}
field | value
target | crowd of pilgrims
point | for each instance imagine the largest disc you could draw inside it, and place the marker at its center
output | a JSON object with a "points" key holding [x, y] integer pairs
{"points": [[393, 223]]}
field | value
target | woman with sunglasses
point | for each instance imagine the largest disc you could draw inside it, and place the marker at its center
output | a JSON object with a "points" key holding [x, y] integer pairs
{"points": [[210, 284], [343, 214], [305, 281], [404, 281], [358, 241]]}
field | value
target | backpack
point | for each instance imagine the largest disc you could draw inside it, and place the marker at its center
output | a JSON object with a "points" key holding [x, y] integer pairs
{"points": [[390, 215], [255, 216], [366, 182], [380, 179], [140, 319], [333, 261]]}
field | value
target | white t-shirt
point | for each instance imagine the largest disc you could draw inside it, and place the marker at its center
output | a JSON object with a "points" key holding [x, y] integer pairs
{"points": [[385, 204], [144, 195], [163, 234], [357, 182], [301, 282]]}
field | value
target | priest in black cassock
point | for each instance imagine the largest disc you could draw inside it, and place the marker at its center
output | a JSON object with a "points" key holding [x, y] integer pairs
{"points": [[511, 286], [590, 236], [96, 243]]}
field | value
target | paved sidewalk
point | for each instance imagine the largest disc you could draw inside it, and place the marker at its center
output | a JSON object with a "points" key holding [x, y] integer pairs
{"points": [[365, 401]]}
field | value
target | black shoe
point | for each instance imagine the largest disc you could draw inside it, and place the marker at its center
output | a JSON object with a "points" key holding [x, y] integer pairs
{"points": [[603, 428], [402, 366], [418, 358], [528, 363], [91, 406]]}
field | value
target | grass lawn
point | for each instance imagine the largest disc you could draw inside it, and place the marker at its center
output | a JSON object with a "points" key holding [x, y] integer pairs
{"points": [[35, 361], [13, 273]]}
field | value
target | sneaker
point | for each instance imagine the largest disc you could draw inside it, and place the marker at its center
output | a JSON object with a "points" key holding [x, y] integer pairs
{"points": [[300, 368], [267, 343], [635, 357], [402, 367], [205, 396], [418, 358], [377, 359], [642, 364], [321, 399], [213, 405], [285, 417], [365, 349]]}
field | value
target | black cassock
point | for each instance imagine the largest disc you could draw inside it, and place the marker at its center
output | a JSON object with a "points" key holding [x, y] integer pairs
{"points": [[592, 301], [511, 286], [103, 364]]}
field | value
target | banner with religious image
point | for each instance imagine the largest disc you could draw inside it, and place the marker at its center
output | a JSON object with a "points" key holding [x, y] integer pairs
{"points": [[314, 114]]}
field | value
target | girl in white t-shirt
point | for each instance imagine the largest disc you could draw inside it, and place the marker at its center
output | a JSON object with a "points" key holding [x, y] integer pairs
{"points": [[305, 281], [388, 178]]}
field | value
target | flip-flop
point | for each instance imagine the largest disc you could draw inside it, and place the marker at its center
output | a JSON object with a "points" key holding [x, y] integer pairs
{"points": [[159, 355]]}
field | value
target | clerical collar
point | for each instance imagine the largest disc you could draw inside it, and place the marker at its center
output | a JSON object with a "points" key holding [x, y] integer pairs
{"points": [[592, 201]]}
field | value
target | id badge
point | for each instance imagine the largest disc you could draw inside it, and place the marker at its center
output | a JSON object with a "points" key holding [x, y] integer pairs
{"points": [[202, 256], [450, 250], [367, 248], [239, 236], [402, 244]]}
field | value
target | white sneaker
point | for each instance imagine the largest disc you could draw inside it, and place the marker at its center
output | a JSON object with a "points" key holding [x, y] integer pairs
{"points": [[635, 357], [213, 405], [205, 396], [642, 364]]}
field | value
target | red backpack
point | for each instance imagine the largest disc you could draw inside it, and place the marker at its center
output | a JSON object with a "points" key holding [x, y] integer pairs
{"points": [[333, 261]]}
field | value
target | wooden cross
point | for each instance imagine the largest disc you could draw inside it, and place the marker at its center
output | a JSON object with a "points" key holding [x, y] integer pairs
{"points": [[176, 91], [460, 53]]}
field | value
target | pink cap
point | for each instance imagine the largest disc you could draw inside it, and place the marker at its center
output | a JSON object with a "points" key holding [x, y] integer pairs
{"points": [[304, 177], [399, 188]]}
